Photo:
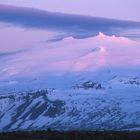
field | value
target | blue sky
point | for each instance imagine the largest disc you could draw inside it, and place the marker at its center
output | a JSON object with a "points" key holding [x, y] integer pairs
{"points": [[120, 9]]}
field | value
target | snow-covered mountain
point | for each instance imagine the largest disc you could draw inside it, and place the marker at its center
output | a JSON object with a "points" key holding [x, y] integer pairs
{"points": [[68, 72], [86, 106], [63, 63]]}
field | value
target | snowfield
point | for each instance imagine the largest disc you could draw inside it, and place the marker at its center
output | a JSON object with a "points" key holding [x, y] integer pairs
{"points": [[112, 108], [68, 72]]}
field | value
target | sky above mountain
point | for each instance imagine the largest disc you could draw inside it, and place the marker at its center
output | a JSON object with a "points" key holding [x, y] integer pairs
{"points": [[119, 9]]}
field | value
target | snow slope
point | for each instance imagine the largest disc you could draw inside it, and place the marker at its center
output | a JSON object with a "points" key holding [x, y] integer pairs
{"points": [[86, 108], [62, 64], [68, 72]]}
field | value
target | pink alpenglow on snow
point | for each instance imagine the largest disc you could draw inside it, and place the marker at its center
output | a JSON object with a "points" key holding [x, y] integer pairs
{"points": [[72, 55]]}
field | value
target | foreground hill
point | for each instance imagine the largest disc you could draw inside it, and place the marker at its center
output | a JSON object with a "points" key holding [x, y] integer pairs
{"points": [[86, 106]]}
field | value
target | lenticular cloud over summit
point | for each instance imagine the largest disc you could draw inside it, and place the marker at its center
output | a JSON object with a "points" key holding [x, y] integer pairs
{"points": [[74, 25]]}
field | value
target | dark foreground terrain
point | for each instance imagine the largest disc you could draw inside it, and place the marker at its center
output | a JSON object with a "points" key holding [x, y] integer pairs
{"points": [[73, 135]]}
